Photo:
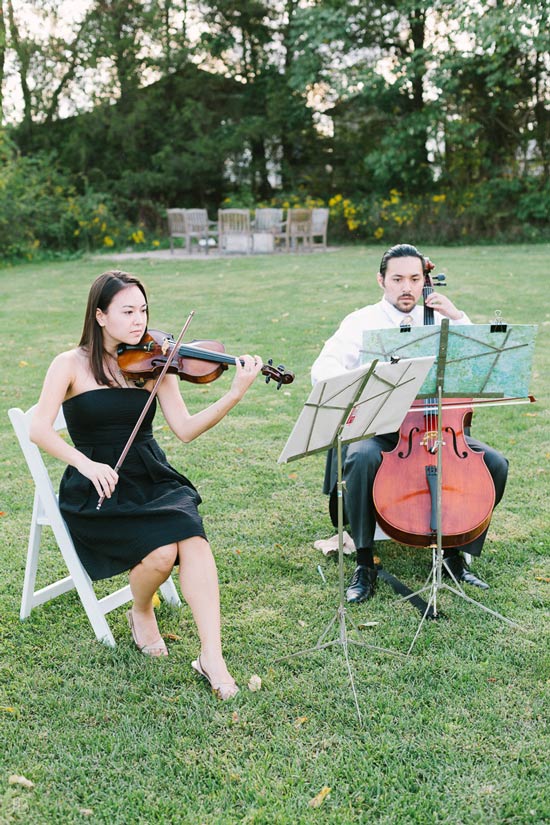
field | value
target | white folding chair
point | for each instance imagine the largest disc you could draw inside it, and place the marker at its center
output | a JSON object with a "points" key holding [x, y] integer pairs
{"points": [[46, 513]]}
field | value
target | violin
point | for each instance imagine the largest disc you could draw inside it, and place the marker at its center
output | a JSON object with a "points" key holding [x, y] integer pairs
{"points": [[406, 484], [199, 362]]}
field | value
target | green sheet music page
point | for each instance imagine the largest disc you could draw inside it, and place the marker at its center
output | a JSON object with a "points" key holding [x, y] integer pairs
{"points": [[471, 360]]}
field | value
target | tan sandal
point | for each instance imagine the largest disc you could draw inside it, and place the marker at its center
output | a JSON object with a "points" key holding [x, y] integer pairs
{"points": [[223, 690], [155, 649]]}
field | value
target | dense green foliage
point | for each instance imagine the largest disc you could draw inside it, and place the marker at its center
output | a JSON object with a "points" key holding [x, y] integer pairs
{"points": [[180, 103], [456, 733]]}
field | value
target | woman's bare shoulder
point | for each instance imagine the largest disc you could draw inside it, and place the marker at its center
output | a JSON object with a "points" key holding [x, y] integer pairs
{"points": [[69, 366]]}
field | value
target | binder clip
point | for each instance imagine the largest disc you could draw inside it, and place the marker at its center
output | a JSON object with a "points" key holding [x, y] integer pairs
{"points": [[497, 324]]}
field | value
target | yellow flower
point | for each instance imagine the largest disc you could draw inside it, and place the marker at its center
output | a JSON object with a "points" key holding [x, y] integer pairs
{"points": [[438, 198], [352, 224], [156, 243], [378, 233], [108, 241], [138, 237]]}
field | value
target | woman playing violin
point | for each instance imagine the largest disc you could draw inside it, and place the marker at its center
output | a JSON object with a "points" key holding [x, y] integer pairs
{"points": [[401, 277], [149, 520]]}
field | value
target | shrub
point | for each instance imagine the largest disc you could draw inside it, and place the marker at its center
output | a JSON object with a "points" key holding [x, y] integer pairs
{"points": [[42, 211]]}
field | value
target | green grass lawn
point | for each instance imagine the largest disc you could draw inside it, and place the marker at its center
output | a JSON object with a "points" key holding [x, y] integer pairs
{"points": [[458, 732]]}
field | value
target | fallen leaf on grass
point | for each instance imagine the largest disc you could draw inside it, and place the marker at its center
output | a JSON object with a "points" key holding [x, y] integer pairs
{"points": [[542, 579], [14, 779], [23, 363], [364, 625], [7, 709], [300, 721], [85, 811], [173, 637], [156, 600], [293, 475], [2, 513], [302, 623], [318, 800], [254, 683], [235, 718]]}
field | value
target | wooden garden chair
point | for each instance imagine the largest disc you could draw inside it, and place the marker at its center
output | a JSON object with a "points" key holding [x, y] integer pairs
{"points": [[176, 226], [298, 229], [319, 226], [235, 232], [268, 228], [46, 513], [198, 226]]}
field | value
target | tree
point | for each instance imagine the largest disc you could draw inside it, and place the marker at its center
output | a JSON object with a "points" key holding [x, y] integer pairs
{"points": [[494, 104]]}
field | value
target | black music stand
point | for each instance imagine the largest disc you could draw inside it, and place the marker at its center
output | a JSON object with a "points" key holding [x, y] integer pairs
{"points": [[473, 361], [354, 405]]}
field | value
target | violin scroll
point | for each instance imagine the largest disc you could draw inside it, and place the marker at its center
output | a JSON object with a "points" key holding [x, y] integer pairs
{"points": [[280, 374]]}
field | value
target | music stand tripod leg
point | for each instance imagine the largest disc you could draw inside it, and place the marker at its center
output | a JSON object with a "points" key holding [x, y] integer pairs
{"points": [[340, 617]]}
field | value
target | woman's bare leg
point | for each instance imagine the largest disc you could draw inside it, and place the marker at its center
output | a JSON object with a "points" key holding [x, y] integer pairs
{"points": [[199, 585], [145, 578]]}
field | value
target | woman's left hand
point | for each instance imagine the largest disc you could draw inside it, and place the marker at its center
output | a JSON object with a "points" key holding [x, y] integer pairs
{"points": [[245, 373]]}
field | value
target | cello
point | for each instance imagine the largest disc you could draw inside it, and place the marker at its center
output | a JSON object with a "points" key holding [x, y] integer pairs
{"points": [[405, 490]]}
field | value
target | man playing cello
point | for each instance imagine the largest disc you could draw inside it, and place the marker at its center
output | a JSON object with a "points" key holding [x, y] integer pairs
{"points": [[401, 277]]}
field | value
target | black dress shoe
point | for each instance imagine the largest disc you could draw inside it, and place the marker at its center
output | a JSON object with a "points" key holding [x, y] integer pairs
{"points": [[462, 572], [361, 586]]}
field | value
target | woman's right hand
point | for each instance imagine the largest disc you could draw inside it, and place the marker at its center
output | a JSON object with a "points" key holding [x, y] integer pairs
{"points": [[102, 476]]}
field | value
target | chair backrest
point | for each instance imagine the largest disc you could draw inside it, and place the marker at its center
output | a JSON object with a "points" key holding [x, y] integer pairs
{"points": [[319, 220], [234, 221], [268, 220], [46, 512], [21, 422], [196, 220], [176, 222], [298, 222]]}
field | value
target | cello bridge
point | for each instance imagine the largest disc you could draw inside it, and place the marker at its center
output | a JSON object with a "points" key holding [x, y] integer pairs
{"points": [[429, 439]]}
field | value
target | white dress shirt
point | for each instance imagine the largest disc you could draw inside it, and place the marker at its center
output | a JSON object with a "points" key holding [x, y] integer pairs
{"points": [[343, 350]]}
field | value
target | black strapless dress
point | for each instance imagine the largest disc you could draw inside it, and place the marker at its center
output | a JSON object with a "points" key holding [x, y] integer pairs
{"points": [[152, 504]]}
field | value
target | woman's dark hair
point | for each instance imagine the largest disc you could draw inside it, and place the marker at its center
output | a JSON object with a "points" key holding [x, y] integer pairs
{"points": [[402, 250], [102, 292]]}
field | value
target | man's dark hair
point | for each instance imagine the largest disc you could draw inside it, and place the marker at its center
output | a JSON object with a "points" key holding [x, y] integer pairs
{"points": [[401, 250]]}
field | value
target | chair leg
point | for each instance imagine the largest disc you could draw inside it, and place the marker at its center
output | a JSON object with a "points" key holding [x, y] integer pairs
{"points": [[169, 592], [31, 566]]}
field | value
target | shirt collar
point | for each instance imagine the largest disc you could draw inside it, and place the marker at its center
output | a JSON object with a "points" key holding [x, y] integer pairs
{"points": [[396, 316]]}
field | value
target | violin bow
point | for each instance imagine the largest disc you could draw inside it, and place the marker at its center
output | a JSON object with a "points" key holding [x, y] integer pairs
{"points": [[152, 395]]}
